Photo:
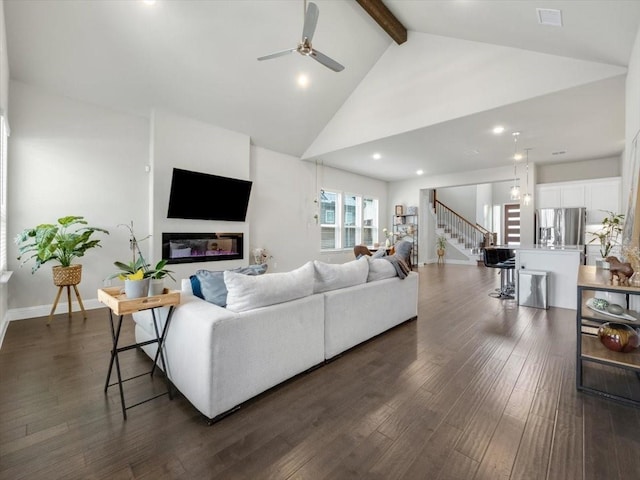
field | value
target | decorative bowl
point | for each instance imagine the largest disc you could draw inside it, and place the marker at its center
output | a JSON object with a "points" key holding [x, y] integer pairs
{"points": [[618, 337]]}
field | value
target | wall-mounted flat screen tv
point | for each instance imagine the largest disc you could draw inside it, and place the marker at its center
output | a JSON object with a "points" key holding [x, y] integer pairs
{"points": [[202, 196]]}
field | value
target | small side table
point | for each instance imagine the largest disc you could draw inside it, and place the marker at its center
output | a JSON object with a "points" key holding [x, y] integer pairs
{"points": [[120, 305]]}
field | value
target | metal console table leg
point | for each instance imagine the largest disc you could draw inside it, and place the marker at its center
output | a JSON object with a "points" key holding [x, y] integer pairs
{"points": [[160, 337]]}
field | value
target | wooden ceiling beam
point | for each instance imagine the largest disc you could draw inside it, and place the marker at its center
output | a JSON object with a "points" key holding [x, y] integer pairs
{"points": [[387, 20]]}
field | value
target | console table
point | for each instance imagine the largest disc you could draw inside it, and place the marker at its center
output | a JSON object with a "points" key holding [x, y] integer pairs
{"points": [[591, 281], [120, 305]]}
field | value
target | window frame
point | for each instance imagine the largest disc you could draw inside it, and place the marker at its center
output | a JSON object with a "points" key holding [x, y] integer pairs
{"points": [[341, 237]]}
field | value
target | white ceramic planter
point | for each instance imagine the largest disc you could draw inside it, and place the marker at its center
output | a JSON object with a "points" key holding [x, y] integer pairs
{"points": [[136, 288]]}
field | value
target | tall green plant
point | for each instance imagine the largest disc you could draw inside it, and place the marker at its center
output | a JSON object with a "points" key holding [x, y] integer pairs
{"points": [[61, 241], [612, 226]]}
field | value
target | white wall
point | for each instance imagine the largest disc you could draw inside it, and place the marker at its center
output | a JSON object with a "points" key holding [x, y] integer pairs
{"points": [[71, 158], [181, 142], [460, 199], [4, 63], [283, 208], [4, 106], [484, 202], [582, 170], [630, 168]]}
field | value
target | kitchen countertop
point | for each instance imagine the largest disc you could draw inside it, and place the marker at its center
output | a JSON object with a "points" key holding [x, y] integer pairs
{"points": [[551, 248]]}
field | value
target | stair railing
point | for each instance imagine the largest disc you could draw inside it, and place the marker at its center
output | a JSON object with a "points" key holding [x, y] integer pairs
{"points": [[472, 236]]}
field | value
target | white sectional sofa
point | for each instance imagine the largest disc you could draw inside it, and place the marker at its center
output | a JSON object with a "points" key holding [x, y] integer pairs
{"points": [[219, 357]]}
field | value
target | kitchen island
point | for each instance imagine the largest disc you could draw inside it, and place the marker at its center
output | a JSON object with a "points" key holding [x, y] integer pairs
{"points": [[561, 264]]}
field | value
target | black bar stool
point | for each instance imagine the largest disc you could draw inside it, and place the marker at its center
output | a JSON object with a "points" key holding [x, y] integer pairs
{"points": [[504, 260]]}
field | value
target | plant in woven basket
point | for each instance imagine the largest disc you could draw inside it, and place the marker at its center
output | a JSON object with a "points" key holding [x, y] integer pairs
{"points": [[64, 241]]}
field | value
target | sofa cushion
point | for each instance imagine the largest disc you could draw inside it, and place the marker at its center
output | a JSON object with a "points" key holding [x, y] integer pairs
{"points": [[210, 285], [379, 269], [329, 276], [249, 292]]}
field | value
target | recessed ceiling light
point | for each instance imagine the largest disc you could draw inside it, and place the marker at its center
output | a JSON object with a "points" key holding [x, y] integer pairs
{"points": [[498, 130], [419, 172], [377, 156], [148, 2], [303, 80]]}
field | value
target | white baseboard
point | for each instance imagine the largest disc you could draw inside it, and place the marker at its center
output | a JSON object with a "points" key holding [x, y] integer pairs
{"points": [[453, 261], [43, 310], [3, 330]]}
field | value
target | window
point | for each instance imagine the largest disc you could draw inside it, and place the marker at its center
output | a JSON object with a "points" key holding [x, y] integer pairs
{"points": [[347, 220], [4, 133]]}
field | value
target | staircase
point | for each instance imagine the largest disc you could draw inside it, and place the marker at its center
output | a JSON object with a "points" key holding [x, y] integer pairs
{"points": [[465, 237]]}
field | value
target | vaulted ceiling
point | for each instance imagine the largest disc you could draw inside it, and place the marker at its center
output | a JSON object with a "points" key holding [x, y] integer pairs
{"points": [[427, 104]]}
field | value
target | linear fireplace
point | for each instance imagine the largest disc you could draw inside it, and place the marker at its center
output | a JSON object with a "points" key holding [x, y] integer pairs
{"points": [[201, 247]]}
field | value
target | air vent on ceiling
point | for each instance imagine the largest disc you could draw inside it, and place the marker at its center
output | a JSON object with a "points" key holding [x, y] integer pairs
{"points": [[549, 16]]}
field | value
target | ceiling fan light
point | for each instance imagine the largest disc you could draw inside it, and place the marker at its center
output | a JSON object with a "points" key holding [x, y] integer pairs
{"points": [[303, 80]]}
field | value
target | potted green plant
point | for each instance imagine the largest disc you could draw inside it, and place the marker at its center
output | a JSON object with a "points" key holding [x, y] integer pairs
{"points": [[441, 246], [68, 239], [608, 235], [157, 275], [139, 278]]}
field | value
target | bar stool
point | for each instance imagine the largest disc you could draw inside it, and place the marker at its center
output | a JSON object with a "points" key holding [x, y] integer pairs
{"points": [[504, 260]]}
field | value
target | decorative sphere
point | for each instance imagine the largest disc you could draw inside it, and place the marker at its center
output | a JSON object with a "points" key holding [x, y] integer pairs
{"points": [[600, 303], [618, 337], [615, 309]]}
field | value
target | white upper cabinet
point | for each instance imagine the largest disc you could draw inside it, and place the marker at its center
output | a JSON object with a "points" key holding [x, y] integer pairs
{"points": [[603, 195], [595, 195], [548, 196], [573, 196]]}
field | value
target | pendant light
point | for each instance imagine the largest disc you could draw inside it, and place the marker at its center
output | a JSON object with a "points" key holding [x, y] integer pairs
{"points": [[526, 198], [515, 189]]}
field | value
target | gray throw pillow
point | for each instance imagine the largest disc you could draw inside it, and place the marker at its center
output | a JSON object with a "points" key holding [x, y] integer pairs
{"points": [[381, 252], [210, 285]]}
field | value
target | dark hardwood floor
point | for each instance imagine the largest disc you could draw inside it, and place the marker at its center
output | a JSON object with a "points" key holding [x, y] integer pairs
{"points": [[476, 388]]}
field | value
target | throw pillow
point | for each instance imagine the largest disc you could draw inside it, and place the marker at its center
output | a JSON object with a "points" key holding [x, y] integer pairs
{"points": [[250, 292], [210, 285], [381, 252], [330, 276], [380, 269]]}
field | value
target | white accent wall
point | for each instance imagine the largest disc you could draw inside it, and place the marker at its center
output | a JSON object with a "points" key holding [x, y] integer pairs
{"points": [[185, 143], [71, 158]]}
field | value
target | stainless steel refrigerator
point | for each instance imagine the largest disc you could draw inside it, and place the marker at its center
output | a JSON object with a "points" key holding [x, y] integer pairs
{"points": [[560, 226]]}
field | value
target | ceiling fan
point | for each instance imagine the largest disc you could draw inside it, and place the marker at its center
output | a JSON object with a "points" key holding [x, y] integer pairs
{"points": [[304, 47]]}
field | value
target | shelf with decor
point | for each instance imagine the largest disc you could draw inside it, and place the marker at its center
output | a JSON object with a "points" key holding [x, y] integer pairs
{"points": [[607, 334], [405, 227]]}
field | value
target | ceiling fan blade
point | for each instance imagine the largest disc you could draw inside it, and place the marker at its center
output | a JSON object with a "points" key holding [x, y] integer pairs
{"points": [[310, 22], [326, 61], [277, 54]]}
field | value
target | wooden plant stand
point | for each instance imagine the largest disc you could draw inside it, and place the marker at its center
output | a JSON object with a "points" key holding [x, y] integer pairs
{"points": [[55, 303], [67, 277]]}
